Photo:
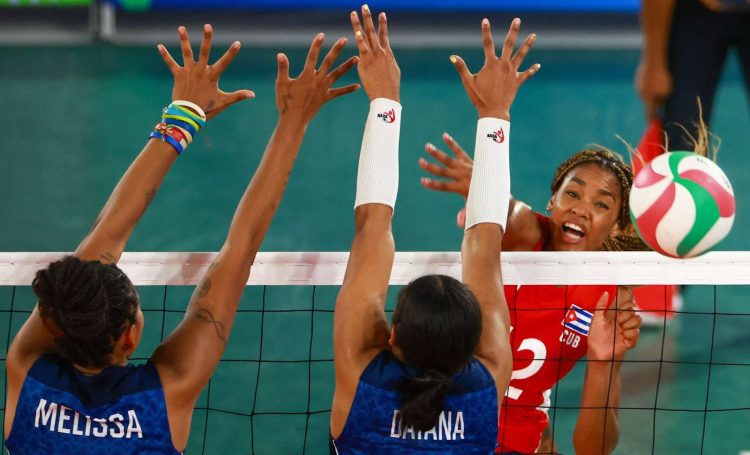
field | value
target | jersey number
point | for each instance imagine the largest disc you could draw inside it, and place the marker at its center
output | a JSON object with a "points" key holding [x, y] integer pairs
{"points": [[539, 350]]}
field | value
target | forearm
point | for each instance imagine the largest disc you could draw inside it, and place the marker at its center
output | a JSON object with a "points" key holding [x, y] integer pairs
{"points": [[480, 253], [253, 217], [598, 420], [203, 334], [656, 21], [127, 203]]}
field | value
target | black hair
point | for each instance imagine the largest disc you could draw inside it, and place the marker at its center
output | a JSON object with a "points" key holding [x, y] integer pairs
{"points": [[438, 322], [90, 303]]}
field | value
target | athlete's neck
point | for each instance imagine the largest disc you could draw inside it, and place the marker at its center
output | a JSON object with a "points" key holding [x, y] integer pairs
{"points": [[398, 354], [95, 371]]}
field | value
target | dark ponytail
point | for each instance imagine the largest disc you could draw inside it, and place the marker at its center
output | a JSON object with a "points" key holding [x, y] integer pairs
{"points": [[437, 323], [90, 303], [424, 397]]}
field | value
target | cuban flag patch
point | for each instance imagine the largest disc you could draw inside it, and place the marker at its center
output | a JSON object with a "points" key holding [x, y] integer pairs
{"points": [[578, 320]]}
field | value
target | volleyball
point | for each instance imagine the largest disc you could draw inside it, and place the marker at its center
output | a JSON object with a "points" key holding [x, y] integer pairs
{"points": [[682, 204]]}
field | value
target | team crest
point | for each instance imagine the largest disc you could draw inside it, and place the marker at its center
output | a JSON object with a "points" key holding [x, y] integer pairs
{"points": [[578, 320]]}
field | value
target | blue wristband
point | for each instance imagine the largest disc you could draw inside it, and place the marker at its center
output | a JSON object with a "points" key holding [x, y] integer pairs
{"points": [[164, 138], [184, 125]]}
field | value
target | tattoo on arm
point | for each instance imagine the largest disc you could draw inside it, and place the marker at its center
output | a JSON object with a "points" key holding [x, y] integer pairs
{"points": [[205, 315], [204, 288]]}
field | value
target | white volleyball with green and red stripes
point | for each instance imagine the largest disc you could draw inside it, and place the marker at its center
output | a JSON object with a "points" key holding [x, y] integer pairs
{"points": [[682, 204]]}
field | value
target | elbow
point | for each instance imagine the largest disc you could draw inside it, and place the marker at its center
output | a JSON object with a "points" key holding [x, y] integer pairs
{"points": [[372, 217], [482, 244]]}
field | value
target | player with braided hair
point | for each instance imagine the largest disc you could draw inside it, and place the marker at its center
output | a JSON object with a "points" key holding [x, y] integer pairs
{"points": [[588, 212], [70, 387]]}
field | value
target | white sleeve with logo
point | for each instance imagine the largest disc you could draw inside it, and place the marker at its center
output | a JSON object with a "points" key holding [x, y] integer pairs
{"points": [[489, 191], [377, 177]]}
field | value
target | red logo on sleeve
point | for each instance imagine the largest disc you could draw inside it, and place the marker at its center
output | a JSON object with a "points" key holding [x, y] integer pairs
{"points": [[388, 116], [497, 136]]}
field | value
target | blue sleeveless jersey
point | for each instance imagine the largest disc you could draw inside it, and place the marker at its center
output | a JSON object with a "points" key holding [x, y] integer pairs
{"points": [[118, 411], [467, 425]]}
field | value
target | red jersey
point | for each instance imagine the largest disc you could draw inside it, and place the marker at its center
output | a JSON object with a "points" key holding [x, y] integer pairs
{"points": [[549, 334]]}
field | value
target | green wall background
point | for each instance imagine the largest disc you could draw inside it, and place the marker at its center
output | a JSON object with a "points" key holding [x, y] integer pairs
{"points": [[72, 119]]}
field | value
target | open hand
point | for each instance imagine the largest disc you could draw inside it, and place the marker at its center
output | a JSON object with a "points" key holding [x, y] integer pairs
{"points": [[494, 87], [198, 81], [377, 66], [455, 169], [303, 96]]}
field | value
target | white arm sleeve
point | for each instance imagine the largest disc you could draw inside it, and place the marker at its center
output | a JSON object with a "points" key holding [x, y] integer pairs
{"points": [[489, 191], [377, 177]]}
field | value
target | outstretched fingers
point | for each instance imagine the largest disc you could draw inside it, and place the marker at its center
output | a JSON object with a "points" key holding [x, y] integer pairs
{"points": [[383, 31], [463, 70], [227, 99], [187, 51], [525, 47], [439, 185], [359, 33], [438, 154], [510, 39], [435, 169], [529, 72], [370, 34], [227, 58], [332, 55], [205, 44], [336, 74], [487, 43], [312, 55], [283, 64], [340, 91], [455, 147], [171, 64]]}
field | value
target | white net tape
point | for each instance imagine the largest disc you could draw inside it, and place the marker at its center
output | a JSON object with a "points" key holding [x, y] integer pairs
{"points": [[327, 268]]}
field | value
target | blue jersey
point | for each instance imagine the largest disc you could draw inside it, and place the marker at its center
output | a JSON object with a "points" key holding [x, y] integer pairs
{"points": [[118, 411], [467, 425]]}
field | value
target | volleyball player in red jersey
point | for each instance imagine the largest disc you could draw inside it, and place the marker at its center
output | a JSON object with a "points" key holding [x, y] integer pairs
{"points": [[588, 208]]}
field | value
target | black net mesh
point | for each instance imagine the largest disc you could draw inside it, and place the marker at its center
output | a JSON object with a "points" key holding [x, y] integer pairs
{"points": [[685, 387]]}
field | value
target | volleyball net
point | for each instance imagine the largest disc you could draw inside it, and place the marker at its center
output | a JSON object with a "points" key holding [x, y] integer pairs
{"points": [[685, 387]]}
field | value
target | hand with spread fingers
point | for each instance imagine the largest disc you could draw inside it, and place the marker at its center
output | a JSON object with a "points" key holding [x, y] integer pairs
{"points": [[494, 87], [197, 81], [378, 70], [303, 96], [455, 169]]}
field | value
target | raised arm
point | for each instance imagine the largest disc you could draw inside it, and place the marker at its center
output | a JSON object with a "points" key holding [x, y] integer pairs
{"points": [[522, 232], [188, 357], [360, 329], [653, 80], [491, 91], [197, 83], [612, 333]]}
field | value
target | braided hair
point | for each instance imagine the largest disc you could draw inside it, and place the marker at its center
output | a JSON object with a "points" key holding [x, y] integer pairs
{"points": [[627, 239], [90, 303]]}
